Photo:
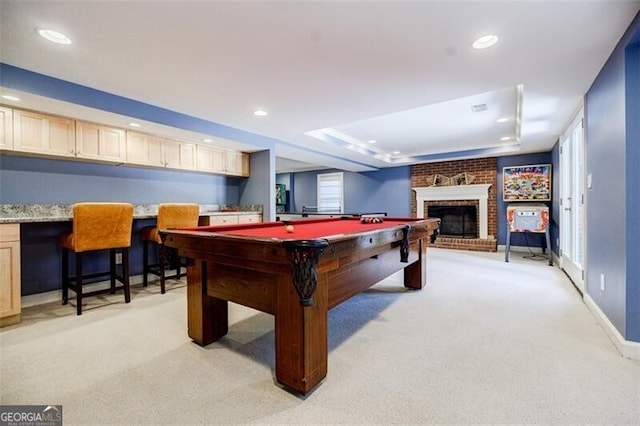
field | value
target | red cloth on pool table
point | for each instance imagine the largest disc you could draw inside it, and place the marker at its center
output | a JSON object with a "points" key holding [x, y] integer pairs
{"points": [[304, 229]]}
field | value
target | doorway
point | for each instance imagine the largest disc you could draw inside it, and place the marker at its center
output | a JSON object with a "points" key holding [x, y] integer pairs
{"points": [[572, 184]]}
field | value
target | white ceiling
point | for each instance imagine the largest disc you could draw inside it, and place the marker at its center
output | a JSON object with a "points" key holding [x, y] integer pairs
{"points": [[401, 73]]}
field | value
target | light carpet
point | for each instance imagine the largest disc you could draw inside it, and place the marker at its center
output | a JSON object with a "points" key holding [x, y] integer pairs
{"points": [[485, 342]]}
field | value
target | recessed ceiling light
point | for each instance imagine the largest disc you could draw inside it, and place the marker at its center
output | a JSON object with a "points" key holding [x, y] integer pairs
{"points": [[506, 138], [10, 98], [53, 36], [372, 141], [396, 152], [485, 41], [502, 120], [206, 140], [134, 125], [260, 112]]}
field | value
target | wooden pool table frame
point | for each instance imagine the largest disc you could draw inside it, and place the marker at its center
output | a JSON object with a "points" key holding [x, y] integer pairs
{"points": [[297, 281]]}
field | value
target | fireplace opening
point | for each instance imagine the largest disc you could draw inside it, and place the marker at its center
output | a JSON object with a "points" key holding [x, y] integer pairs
{"points": [[456, 221]]}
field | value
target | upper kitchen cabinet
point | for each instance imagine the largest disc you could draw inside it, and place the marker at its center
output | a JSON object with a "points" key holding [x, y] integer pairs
{"points": [[33, 133], [210, 159], [6, 128], [237, 163], [150, 150], [179, 155], [222, 161], [43, 134], [100, 143], [144, 149]]}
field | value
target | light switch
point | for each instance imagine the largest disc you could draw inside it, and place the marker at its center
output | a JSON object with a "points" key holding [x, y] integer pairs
{"points": [[589, 181]]}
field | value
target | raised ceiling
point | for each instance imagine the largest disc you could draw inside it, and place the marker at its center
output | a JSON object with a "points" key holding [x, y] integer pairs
{"points": [[335, 75]]}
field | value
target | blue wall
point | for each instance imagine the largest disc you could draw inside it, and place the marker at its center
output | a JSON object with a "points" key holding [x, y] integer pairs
{"points": [[386, 190], [260, 189], [632, 224], [613, 151], [26, 180]]}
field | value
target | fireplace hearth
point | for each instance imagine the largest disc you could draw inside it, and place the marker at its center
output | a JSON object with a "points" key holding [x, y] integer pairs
{"points": [[474, 196], [457, 193], [481, 191]]}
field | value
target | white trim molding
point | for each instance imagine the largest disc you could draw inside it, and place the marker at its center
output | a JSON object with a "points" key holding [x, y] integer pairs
{"points": [[479, 192], [627, 348]]}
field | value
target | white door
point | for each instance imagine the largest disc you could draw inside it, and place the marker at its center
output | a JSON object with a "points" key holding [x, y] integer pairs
{"points": [[572, 201]]}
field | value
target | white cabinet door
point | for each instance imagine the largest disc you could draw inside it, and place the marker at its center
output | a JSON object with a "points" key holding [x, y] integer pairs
{"points": [[179, 155], [9, 274], [237, 163], [144, 149], [43, 134], [210, 159], [96, 142], [6, 128]]}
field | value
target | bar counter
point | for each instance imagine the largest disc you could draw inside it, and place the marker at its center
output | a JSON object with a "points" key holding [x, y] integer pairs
{"points": [[31, 254], [24, 213]]}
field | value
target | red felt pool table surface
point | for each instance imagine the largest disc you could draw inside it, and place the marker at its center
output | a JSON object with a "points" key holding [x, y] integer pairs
{"points": [[296, 277], [303, 229]]}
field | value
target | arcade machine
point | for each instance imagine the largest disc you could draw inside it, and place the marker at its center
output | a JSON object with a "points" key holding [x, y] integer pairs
{"points": [[528, 217]]}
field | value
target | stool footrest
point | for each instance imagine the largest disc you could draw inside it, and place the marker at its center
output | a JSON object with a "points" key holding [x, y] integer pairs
{"points": [[155, 270], [102, 291], [95, 275]]}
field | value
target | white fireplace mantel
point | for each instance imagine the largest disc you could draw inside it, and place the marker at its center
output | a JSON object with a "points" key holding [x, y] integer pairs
{"points": [[478, 192]]}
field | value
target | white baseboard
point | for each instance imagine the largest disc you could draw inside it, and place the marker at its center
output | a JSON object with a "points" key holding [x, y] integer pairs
{"points": [[627, 348], [56, 295]]}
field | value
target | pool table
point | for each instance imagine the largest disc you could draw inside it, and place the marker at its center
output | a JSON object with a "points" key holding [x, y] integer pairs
{"points": [[296, 276]]}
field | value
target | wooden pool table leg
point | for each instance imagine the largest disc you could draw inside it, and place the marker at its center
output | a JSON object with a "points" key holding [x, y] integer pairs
{"points": [[415, 274], [207, 316], [301, 336]]}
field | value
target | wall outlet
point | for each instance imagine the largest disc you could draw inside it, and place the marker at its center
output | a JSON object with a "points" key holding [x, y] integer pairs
{"points": [[118, 258], [601, 282]]}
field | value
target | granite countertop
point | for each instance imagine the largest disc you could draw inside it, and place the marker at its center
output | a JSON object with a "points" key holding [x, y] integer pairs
{"points": [[21, 213]]}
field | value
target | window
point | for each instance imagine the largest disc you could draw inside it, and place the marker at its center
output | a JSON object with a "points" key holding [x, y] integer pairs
{"points": [[330, 194]]}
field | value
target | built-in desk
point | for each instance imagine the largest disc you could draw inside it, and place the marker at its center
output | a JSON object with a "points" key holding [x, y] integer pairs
{"points": [[14, 218]]}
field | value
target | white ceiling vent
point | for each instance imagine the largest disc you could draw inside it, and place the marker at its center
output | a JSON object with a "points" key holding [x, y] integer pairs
{"points": [[479, 107]]}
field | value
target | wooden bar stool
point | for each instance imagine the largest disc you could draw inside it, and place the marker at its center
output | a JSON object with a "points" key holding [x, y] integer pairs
{"points": [[170, 215], [97, 226]]}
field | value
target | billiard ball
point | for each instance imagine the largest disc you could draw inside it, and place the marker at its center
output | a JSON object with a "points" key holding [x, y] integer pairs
{"points": [[289, 228]]}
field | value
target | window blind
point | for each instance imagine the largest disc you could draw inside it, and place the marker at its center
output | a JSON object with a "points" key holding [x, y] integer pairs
{"points": [[330, 193]]}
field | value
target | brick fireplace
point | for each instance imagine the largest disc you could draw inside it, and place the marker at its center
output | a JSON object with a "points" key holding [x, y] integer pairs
{"points": [[481, 194]]}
